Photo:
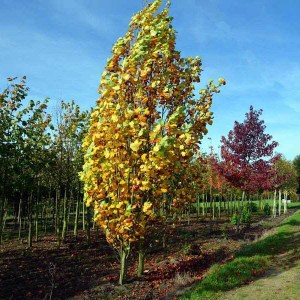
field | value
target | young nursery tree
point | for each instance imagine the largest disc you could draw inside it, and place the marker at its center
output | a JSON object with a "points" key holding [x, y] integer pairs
{"points": [[68, 135], [287, 181], [10, 103], [144, 130], [24, 147], [247, 154], [296, 163], [34, 155]]}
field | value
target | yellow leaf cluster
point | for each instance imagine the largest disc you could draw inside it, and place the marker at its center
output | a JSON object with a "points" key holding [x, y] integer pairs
{"points": [[145, 129]]}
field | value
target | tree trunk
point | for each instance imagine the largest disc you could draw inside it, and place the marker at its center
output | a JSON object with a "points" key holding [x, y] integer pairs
{"points": [[36, 222], [44, 218], [1, 218], [4, 218], [65, 216], [47, 210], [76, 215], [285, 202], [29, 241], [94, 220], [198, 207], [57, 217], [213, 206], [69, 210], [141, 258], [228, 205], [206, 204], [274, 204], [211, 212], [203, 205], [20, 218], [83, 216], [88, 224], [37, 214], [243, 199], [124, 253], [279, 202], [260, 202]]}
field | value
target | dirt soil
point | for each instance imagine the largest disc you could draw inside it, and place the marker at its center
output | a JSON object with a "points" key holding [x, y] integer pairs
{"points": [[81, 271]]}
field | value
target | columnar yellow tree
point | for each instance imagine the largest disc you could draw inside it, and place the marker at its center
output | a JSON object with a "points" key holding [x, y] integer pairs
{"points": [[144, 130]]}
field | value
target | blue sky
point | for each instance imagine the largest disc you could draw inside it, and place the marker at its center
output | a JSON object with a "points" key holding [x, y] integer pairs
{"points": [[62, 47]]}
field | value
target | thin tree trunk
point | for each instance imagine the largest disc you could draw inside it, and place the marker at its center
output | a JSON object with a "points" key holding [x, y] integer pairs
{"points": [[124, 253], [211, 211], [243, 199], [37, 213], [29, 241], [4, 219], [69, 209], [279, 202], [88, 224], [260, 202], [285, 203], [20, 218], [76, 215], [1, 218], [57, 217], [203, 204], [141, 258], [219, 207], [83, 216], [65, 216], [44, 218], [206, 204], [198, 207], [94, 220], [274, 204], [228, 205], [47, 210], [213, 206]]}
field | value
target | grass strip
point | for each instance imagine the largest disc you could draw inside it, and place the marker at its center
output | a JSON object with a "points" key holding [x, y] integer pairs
{"points": [[249, 263]]}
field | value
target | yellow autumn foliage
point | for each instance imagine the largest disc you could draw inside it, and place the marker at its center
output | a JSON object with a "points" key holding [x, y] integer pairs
{"points": [[145, 130]]}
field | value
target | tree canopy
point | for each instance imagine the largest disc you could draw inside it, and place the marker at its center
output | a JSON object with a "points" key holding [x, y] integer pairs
{"points": [[248, 154], [145, 129]]}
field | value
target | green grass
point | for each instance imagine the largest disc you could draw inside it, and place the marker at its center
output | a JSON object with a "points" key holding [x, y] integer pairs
{"points": [[257, 202], [230, 275], [276, 286], [294, 205], [286, 238], [249, 263]]}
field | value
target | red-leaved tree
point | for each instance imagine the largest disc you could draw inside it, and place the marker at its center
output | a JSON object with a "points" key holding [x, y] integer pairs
{"points": [[248, 155]]}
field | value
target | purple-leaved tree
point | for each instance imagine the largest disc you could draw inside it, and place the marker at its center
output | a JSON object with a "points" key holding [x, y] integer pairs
{"points": [[248, 155]]}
